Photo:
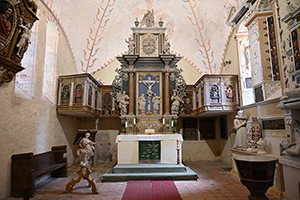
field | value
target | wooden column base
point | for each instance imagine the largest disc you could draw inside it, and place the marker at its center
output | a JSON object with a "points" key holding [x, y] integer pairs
{"points": [[85, 173]]}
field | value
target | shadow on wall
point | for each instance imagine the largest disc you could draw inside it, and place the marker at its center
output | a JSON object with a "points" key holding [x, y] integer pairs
{"points": [[70, 126]]}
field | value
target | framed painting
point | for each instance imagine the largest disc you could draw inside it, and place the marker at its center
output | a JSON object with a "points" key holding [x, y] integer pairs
{"points": [[8, 22]]}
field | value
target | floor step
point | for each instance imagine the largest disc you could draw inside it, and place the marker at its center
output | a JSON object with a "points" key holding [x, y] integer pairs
{"points": [[126, 172], [148, 168]]}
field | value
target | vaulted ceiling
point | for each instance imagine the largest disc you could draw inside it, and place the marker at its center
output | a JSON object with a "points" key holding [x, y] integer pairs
{"points": [[97, 29]]}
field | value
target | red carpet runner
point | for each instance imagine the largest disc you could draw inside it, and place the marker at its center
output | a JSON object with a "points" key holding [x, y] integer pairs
{"points": [[151, 190]]}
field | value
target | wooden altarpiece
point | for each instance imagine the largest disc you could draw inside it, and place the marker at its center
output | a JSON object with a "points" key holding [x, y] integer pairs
{"points": [[16, 20]]}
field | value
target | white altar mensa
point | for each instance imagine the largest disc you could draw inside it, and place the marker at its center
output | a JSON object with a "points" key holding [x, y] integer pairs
{"points": [[162, 148]]}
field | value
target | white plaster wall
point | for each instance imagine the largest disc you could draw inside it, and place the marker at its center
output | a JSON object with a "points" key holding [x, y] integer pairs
{"points": [[107, 74], [197, 151], [231, 54], [190, 74], [32, 125]]}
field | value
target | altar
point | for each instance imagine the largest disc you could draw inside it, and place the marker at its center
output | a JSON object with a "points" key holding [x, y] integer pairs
{"points": [[156, 148], [148, 92]]}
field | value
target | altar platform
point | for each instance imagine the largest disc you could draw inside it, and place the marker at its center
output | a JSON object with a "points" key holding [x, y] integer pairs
{"points": [[127, 172], [149, 157]]}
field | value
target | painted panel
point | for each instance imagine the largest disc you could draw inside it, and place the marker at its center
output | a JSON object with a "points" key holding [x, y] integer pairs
{"points": [[149, 93]]}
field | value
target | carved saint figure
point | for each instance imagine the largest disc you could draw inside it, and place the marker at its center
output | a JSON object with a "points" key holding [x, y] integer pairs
{"points": [[131, 45], [86, 148], [5, 24], [176, 103], [123, 100], [24, 37], [155, 101], [142, 102], [166, 46], [241, 132], [148, 19]]}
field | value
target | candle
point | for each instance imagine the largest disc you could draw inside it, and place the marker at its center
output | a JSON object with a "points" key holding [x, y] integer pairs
{"points": [[134, 121], [172, 123], [163, 120], [177, 143], [125, 124]]}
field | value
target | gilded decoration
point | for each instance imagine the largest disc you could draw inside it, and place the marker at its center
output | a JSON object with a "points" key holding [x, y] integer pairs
{"points": [[107, 104], [149, 45], [187, 105], [264, 5], [271, 89], [65, 94], [149, 124], [78, 93], [273, 49], [16, 21]]}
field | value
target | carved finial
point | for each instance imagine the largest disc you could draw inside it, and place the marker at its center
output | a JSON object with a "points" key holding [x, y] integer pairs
{"points": [[289, 6]]}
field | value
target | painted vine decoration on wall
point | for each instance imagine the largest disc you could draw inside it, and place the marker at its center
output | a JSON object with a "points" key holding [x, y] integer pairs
{"points": [[208, 58], [95, 35]]}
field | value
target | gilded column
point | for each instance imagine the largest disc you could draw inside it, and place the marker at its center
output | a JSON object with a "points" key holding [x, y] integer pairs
{"points": [[167, 91], [131, 92]]}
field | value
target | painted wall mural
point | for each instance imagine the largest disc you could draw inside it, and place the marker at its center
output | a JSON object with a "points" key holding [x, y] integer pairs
{"points": [[96, 30], [204, 43]]}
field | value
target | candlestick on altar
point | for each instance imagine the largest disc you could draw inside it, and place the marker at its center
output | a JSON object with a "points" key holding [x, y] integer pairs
{"points": [[178, 153], [178, 157]]}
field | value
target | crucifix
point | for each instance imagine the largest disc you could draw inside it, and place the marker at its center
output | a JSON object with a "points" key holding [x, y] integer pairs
{"points": [[149, 83]]}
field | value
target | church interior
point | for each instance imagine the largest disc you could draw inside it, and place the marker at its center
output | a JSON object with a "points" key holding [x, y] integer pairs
{"points": [[151, 86]]}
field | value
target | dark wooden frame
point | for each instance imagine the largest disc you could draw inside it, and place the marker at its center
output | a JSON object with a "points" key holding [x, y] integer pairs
{"points": [[207, 128], [223, 127], [189, 132], [26, 167]]}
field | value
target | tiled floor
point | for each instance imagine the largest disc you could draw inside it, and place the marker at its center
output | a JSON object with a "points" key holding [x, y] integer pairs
{"points": [[215, 183]]}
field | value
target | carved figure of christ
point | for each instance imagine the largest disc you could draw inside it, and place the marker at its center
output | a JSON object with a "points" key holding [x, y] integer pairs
{"points": [[149, 83]]}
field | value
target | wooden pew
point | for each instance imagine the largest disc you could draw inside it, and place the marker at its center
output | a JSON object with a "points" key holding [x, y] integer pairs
{"points": [[27, 167]]}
